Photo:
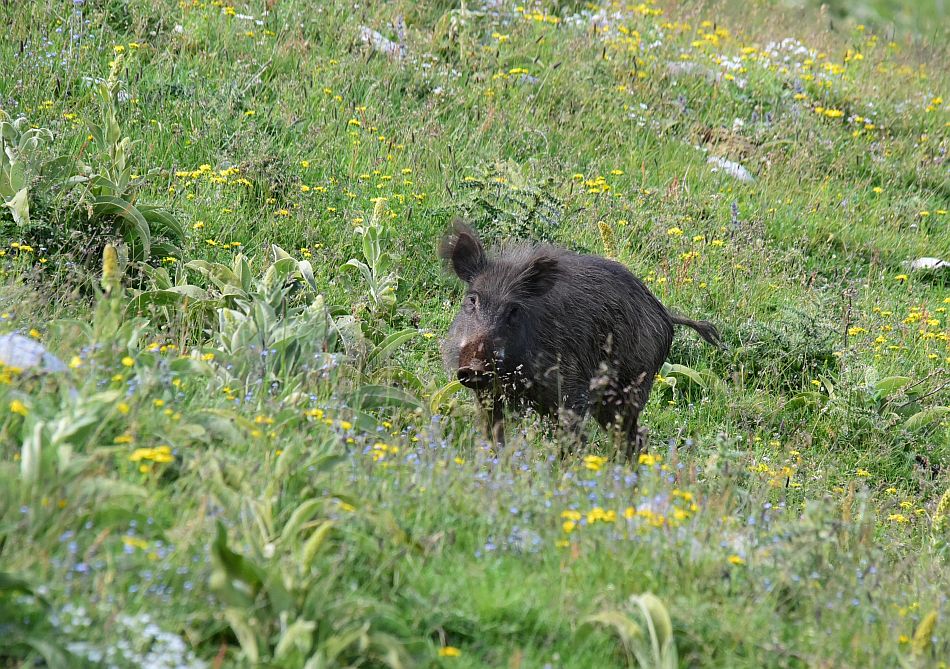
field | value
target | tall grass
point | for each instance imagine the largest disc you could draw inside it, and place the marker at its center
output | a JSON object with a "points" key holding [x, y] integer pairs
{"points": [[240, 448]]}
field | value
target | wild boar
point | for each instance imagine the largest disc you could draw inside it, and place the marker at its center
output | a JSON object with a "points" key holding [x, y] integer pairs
{"points": [[570, 335]]}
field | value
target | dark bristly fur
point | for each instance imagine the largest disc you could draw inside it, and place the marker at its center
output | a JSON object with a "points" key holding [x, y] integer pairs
{"points": [[570, 335]]}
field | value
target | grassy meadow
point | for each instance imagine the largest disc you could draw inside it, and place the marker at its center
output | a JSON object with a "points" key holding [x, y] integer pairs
{"points": [[226, 437]]}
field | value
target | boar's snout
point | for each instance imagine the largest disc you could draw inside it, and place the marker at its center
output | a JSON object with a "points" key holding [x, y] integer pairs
{"points": [[475, 364], [474, 378]]}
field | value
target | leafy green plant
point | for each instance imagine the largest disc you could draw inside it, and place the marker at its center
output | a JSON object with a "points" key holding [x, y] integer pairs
{"points": [[902, 399], [370, 341], [93, 200], [149, 230], [272, 323], [505, 204], [376, 268], [675, 378], [650, 643], [25, 629], [897, 401], [63, 436], [284, 597], [20, 164], [111, 330], [794, 347]]}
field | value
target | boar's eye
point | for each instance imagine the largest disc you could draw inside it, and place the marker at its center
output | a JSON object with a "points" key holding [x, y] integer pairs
{"points": [[471, 301]]}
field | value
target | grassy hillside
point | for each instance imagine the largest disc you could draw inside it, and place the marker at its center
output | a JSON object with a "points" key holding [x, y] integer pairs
{"points": [[226, 438]]}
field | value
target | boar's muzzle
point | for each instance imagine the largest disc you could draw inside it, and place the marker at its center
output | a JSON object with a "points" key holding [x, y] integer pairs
{"points": [[475, 369]]}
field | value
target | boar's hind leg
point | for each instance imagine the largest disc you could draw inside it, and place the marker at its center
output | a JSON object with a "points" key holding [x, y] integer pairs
{"points": [[634, 436], [637, 444], [618, 413]]}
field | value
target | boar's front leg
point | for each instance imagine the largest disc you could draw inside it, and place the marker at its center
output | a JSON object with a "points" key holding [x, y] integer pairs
{"points": [[493, 416], [571, 419], [497, 420]]}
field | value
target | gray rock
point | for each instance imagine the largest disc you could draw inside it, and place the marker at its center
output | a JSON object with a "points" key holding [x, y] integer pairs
{"points": [[381, 43], [25, 353], [731, 168], [922, 264]]}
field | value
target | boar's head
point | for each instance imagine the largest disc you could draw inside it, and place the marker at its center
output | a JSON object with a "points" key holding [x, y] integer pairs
{"points": [[495, 332]]}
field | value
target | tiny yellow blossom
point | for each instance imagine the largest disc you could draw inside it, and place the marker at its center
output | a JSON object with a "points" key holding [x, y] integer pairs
{"points": [[594, 462]]}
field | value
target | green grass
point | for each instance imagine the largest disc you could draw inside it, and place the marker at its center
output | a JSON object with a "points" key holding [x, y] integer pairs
{"points": [[322, 503]]}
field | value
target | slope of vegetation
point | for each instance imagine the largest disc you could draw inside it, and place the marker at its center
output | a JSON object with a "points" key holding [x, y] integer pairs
{"points": [[226, 438]]}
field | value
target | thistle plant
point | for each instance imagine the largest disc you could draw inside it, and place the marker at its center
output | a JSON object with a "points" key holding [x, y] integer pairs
{"points": [[147, 229], [607, 237], [109, 308], [376, 268], [19, 164], [940, 527]]}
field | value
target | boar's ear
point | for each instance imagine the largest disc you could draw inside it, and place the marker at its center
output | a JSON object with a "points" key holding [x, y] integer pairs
{"points": [[462, 250], [537, 277]]}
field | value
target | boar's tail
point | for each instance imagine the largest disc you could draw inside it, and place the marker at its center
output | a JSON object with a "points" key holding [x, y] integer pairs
{"points": [[705, 329]]}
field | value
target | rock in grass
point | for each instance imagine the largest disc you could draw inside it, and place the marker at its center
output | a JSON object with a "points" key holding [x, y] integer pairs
{"points": [[929, 264], [381, 43], [25, 353], [731, 168], [678, 68]]}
